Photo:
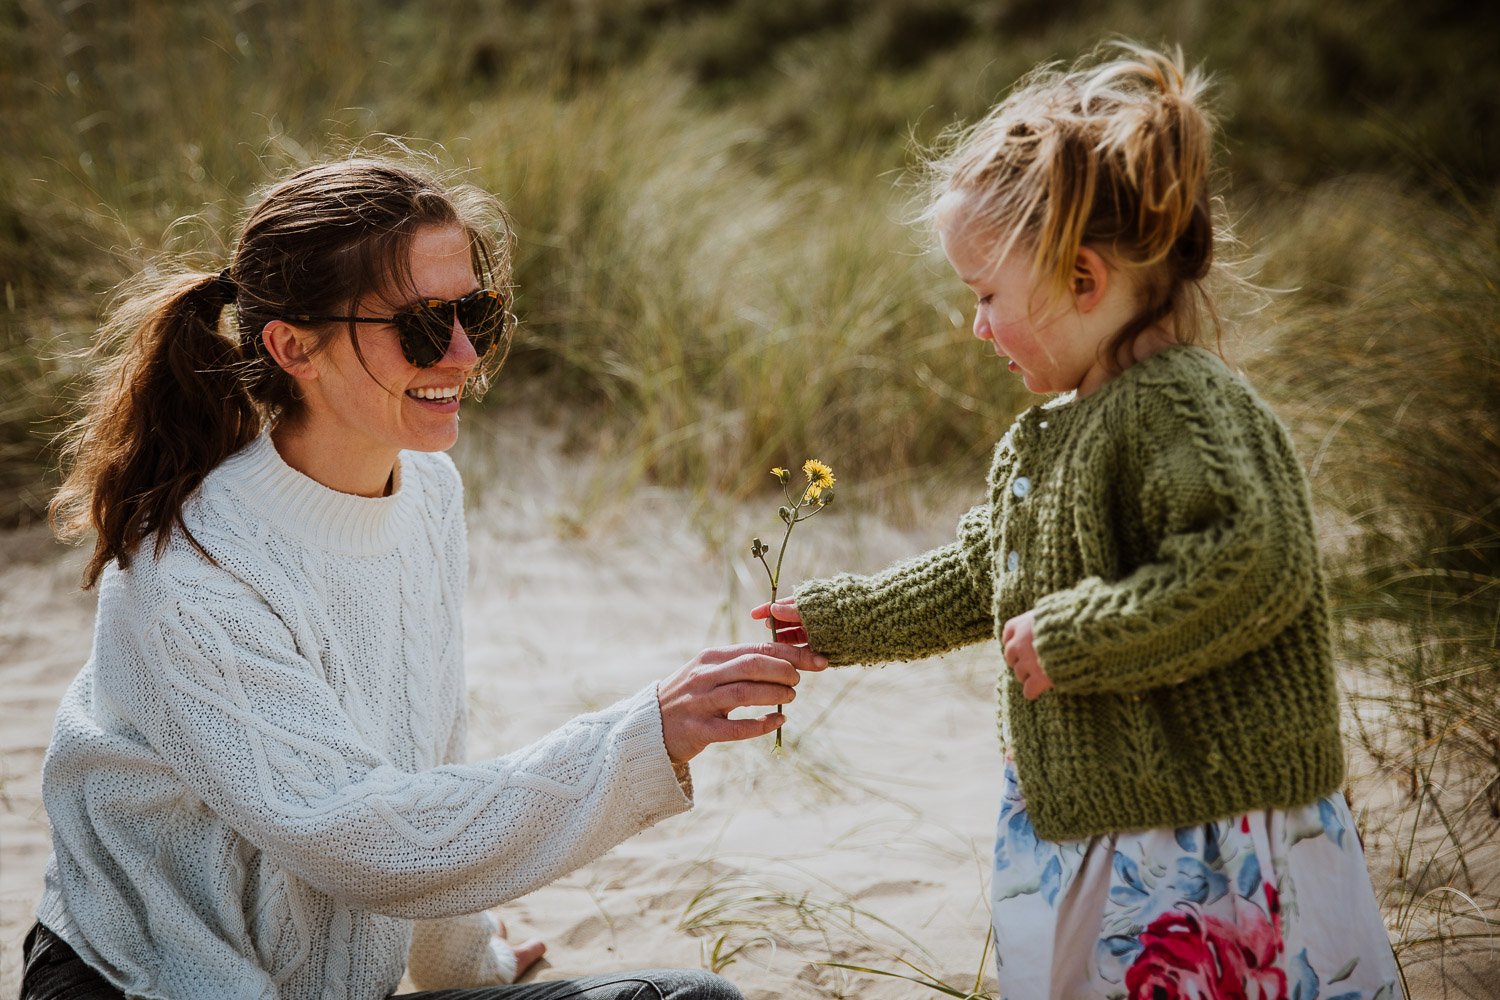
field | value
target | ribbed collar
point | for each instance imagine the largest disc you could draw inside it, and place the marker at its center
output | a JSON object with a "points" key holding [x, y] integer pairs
{"points": [[1171, 357], [307, 510]]}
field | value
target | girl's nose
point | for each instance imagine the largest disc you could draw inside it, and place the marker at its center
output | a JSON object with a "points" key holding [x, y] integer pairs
{"points": [[981, 325]]}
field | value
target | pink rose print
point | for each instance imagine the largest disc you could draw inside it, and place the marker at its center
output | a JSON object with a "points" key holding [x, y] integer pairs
{"points": [[1185, 956]]}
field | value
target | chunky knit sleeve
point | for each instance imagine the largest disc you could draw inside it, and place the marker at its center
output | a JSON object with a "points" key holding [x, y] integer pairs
{"points": [[1224, 502], [460, 952], [226, 696], [916, 608]]}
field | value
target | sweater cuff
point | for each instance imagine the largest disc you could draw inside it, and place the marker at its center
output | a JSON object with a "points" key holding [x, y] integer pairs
{"points": [[460, 953], [827, 621], [1063, 658], [500, 962], [656, 790]]}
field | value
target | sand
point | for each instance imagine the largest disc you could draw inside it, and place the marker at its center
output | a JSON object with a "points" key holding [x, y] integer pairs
{"points": [[866, 843]]}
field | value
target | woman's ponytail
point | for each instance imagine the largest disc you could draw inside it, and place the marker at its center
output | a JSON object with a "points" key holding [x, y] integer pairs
{"points": [[165, 405]]}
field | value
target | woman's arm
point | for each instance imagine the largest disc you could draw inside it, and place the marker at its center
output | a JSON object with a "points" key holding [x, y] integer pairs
{"points": [[219, 688]]}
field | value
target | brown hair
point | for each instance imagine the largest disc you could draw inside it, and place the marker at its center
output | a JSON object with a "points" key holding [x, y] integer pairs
{"points": [[174, 395], [1113, 155]]}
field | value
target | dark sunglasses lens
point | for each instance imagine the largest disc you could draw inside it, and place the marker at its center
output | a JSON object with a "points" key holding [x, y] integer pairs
{"points": [[482, 316], [425, 333], [427, 330]]}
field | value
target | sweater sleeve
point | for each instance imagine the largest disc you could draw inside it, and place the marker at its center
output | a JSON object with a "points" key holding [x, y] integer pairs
{"points": [[249, 723], [1234, 555], [460, 953], [916, 608]]}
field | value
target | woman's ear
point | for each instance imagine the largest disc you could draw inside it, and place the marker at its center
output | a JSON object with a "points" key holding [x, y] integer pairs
{"points": [[1091, 277], [290, 348]]}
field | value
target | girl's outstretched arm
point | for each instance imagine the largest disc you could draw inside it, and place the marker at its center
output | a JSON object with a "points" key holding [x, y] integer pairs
{"points": [[916, 608]]}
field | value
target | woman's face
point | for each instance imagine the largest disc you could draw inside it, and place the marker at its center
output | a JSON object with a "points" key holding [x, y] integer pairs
{"points": [[387, 404]]}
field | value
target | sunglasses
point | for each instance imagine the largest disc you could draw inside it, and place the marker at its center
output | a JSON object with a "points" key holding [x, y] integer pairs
{"points": [[425, 329]]}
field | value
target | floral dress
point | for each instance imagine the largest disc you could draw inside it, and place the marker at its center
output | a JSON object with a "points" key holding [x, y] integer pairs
{"points": [[1269, 905]]}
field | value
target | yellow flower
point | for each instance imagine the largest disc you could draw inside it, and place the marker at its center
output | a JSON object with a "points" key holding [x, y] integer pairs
{"points": [[819, 477], [781, 474]]}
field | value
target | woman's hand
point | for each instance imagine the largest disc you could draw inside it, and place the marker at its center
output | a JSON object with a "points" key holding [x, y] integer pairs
{"points": [[527, 953], [696, 701], [1020, 655], [788, 620]]}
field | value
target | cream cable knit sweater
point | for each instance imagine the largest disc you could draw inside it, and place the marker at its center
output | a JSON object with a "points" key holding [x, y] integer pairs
{"points": [[258, 782]]}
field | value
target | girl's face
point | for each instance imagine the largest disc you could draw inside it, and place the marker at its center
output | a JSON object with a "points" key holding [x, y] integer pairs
{"points": [[1044, 337], [368, 412]]}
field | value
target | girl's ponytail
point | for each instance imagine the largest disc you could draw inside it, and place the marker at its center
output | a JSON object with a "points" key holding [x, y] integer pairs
{"points": [[165, 406], [1113, 155], [1158, 148]]}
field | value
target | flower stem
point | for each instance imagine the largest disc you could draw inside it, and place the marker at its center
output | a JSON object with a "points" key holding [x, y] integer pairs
{"points": [[791, 520]]}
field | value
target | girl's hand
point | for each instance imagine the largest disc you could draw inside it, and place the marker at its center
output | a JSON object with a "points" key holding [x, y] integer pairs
{"points": [[788, 620], [1020, 655], [696, 701]]}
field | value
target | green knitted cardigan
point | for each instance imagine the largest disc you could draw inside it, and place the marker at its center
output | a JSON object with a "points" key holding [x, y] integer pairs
{"points": [[1161, 529]]}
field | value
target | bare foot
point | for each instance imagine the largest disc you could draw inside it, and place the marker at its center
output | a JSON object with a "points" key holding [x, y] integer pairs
{"points": [[528, 953]]}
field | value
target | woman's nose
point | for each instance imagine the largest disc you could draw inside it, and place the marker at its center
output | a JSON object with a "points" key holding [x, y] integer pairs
{"points": [[460, 347], [981, 325]]}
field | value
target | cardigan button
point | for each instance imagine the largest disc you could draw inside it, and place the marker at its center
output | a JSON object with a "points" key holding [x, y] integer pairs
{"points": [[1013, 561], [1042, 424], [1021, 487]]}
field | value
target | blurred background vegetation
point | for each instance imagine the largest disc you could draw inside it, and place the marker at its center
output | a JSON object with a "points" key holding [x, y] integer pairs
{"points": [[714, 273]]}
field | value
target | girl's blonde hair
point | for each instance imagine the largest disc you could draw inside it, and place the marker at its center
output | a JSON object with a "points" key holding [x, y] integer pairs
{"points": [[1111, 154]]}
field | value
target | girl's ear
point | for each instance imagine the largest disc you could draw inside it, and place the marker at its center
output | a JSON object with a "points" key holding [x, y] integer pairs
{"points": [[290, 348], [1091, 278]]}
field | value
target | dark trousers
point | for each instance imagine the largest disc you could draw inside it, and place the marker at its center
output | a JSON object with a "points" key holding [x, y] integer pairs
{"points": [[55, 972]]}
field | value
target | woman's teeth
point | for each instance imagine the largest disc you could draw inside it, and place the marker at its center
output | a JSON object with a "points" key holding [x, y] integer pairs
{"points": [[434, 393]]}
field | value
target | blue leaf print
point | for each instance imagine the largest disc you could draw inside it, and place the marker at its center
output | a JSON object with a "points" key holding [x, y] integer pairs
{"points": [[1306, 987], [1022, 834], [1249, 877], [1211, 843], [1051, 881], [1355, 995], [1198, 882], [1121, 947], [1331, 820], [1129, 873], [1187, 838]]}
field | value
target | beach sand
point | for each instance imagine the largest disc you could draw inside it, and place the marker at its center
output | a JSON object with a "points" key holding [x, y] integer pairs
{"points": [[867, 843]]}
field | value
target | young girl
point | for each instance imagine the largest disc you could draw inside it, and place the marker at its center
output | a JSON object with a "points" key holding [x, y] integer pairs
{"points": [[1171, 823], [257, 785]]}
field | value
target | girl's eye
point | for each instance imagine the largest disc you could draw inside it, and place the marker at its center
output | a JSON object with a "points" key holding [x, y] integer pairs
{"points": [[984, 300]]}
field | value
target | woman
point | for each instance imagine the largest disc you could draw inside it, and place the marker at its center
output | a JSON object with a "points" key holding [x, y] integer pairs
{"points": [[257, 784]]}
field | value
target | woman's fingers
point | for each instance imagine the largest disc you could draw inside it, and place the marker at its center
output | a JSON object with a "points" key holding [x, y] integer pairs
{"points": [[729, 730], [799, 657], [746, 694], [697, 700]]}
